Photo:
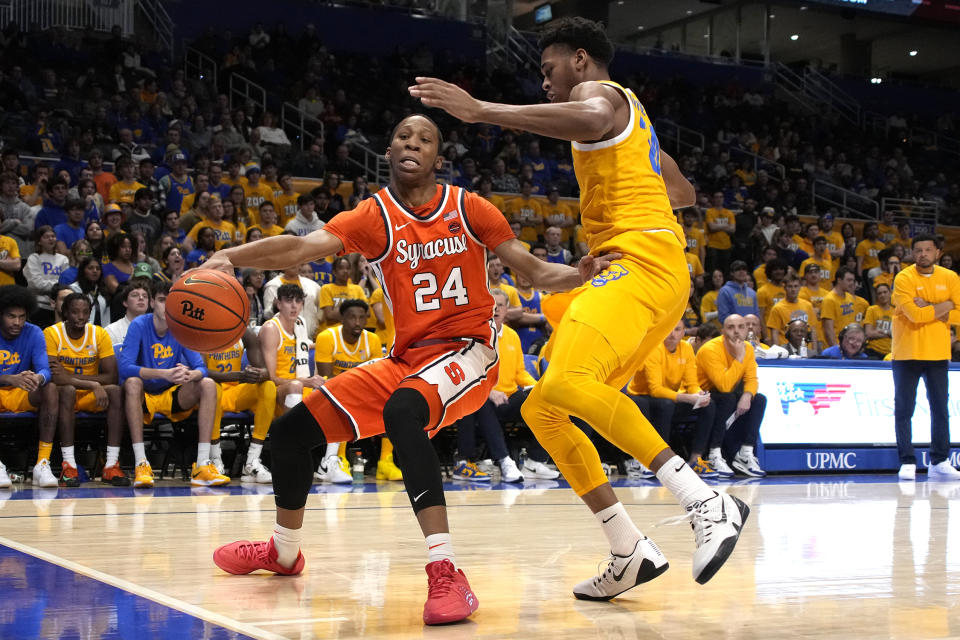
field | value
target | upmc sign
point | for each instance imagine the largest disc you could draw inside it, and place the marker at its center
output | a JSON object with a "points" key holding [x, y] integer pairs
{"points": [[836, 416]]}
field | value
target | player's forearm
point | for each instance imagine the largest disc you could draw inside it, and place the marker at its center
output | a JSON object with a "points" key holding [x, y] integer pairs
{"points": [[146, 373], [551, 276], [586, 120], [278, 252]]}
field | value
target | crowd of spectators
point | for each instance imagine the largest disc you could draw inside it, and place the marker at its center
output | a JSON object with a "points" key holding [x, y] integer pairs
{"points": [[144, 172]]}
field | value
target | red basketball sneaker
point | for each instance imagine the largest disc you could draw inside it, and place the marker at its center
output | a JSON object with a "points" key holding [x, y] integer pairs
{"points": [[244, 556], [449, 596]]}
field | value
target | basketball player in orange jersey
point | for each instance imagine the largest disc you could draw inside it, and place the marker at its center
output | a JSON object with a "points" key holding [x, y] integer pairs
{"points": [[628, 190], [427, 246]]}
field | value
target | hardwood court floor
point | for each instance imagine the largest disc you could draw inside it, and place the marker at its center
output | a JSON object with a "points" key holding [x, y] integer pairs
{"points": [[820, 557]]}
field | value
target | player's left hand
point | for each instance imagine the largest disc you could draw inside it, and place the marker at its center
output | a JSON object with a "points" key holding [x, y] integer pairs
{"points": [[434, 92], [589, 265]]}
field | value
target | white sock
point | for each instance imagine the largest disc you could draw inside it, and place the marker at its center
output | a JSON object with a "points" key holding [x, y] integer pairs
{"points": [[292, 400], [113, 455], [332, 449], [746, 450], [253, 453], [203, 453], [619, 529], [684, 483], [139, 453], [714, 454], [215, 450], [68, 456], [439, 547], [287, 543]]}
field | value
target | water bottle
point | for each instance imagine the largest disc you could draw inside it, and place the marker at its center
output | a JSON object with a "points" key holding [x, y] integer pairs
{"points": [[521, 457], [357, 467], [803, 350]]}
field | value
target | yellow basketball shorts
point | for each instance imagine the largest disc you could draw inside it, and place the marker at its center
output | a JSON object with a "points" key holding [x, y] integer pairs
{"points": [[15, 400], [154, 403]]}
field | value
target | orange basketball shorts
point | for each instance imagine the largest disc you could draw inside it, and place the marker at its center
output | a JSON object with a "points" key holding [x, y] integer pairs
{"points": [[455, 378]]}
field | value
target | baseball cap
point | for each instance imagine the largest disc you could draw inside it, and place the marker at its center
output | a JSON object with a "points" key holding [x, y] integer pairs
{"points": [[143, 269], [253, 167], [178, 157], [827, 216], [767, 211], [112, 208]]}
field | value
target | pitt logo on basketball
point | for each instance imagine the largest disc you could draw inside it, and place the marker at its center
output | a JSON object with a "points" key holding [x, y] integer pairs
{"points": [[413, 252], [161, 351], [188, 309], [9, 358]]}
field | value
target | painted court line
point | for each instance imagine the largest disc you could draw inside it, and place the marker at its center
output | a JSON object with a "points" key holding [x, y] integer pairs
{"points": [[266, 623], [144, 592]]}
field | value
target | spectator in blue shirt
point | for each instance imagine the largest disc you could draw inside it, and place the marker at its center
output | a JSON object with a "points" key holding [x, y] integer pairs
{"points": [[159, 375], [736, 296], [71, 230], [850, 345], [52, 212]]}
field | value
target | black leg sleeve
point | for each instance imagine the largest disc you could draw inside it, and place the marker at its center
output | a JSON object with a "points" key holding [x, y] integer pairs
{"points": [[405, 415], [293, 436]]}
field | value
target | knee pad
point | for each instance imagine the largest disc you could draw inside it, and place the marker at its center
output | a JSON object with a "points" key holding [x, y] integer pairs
{"points": [[406, 410], [293, 429]]}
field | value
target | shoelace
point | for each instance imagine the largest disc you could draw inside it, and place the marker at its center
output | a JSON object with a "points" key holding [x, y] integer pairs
{"points": [[602, 574], [700, 515], [253, 551], [441, 583]]}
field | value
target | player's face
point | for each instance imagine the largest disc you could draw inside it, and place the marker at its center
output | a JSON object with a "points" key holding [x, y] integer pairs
{"points": [[76, 316], [414, 151], [290, 308], [12, 321], [159, 304], [559, 65], [354, 320]]}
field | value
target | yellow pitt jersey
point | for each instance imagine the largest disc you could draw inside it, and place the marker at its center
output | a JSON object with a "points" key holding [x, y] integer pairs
{"points": [[293, 357], [225, 361], [332, 348], [81, 358], [621, 188]]}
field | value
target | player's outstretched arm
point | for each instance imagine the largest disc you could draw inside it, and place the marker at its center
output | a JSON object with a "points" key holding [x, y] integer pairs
{"points": [[550, 276], [588, 115], [276, 253]]}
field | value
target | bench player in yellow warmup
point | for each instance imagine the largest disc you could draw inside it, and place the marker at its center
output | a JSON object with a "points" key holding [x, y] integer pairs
{"points": [[244, 388], [628, 190], [83, 367], [349, 345]]}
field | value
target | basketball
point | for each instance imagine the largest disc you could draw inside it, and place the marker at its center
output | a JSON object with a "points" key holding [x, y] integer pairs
{"points": [[207, 310]]}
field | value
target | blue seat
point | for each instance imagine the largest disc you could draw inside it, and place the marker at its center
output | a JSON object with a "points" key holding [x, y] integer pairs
{"points": [[530, 362]]}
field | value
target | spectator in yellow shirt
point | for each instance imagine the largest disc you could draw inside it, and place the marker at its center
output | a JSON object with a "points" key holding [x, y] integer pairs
{"points": [[693, 230], [889, 268], [868, 250], [791, 308], [727, 369], [334, 294], [835, 243], [495, 282], [666, 390], [286, 201], [760, 273], [837, 309], [721, 225], [268, 220], [123, 190], [887, 228], [878, 323], [925, 299], [820, 257], [772, 292], [223, 230], [812, 290], [557, 214], [255, 192], [708, 304], [527, 211]]}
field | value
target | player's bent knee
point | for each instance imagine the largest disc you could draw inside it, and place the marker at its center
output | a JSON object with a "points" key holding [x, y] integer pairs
{"points": [[292, 430], [66, 391], [404, 412], [133, 386]]}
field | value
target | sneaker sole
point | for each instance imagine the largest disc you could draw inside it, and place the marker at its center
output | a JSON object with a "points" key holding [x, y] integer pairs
{"points": [[726, 547], [253, 480], [471, 479], [747, 472], [647, 565]]}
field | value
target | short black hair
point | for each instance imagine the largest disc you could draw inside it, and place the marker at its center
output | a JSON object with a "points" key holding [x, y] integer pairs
{"points": [[579, 33], [132, 285], [114, 242], [266, 203], [353, 302], [13, 296], [73, 297], [159, 288], [773, 265], [393, 134], [287, 291], [926, 237], [738, 265], [843, 271], [304, 199]]}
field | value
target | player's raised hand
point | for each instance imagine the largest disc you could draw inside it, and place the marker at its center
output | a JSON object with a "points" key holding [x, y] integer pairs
{"points": [[219, 262], [449, 97], [589, 266]]}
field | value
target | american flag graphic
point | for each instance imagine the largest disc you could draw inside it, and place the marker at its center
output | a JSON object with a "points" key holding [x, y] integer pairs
{"points": [[818, 395]]}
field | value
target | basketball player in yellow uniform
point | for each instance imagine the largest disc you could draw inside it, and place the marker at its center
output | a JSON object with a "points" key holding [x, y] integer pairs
{"points": [[244, 388], [628, 188], [84, 369], [344, 347]]}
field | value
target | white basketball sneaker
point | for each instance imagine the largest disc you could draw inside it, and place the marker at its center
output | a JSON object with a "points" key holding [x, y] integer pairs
{"points": [[907, 472], [330, 471], [942, 472], [4, 477], [509, 471], [43, 476], [624, 572], [716, 528], [533, 470], [256, 472]]}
